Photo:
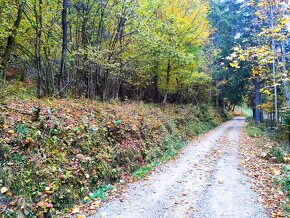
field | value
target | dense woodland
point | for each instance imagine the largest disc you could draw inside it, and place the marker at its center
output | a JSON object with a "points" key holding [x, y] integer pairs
{"points": [[72, 62], [179, 51], [107, 49]]}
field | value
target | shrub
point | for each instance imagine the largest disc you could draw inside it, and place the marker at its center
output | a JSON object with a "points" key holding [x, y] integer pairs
{"points": [[278, 153]]}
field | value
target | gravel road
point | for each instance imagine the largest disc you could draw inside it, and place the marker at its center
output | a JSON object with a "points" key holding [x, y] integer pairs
{"points": [[204, 181]]}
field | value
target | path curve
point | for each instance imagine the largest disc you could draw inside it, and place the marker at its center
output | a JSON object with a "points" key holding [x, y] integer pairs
{"points": [[204, 181]]}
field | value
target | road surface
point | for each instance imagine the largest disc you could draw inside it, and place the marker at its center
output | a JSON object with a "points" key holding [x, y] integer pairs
{"points": [[204, 181]]}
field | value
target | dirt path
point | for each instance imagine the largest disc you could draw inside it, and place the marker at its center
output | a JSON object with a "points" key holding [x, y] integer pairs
{"points": [[205, 181]]}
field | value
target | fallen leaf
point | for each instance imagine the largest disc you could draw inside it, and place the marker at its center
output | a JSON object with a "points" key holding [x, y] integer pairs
{"points": [[48, 205], [4, 190], [41, 204], [184, 194], [11, 131], [75, 210], [97, 203]]}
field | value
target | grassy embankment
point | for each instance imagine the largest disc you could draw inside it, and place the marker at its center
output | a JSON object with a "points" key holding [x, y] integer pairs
{"points": [[76, 147]]}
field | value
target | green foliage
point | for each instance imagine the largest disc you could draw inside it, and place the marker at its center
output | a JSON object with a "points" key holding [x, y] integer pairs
{"points": [[115, 42], [16, 90], [254, 130], [285, 127], [278, 153], [101, 192], [284, 181]]}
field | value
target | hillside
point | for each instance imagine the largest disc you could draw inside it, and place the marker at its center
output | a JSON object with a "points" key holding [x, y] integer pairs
{"points": [[74, 148]]}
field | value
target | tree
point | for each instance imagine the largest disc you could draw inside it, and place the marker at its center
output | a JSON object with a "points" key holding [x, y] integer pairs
{"points": [[11, 38], [231, 23], [62, 80], [263, 56]]}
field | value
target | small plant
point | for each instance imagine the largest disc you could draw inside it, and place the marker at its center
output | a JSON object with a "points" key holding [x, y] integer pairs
{"points": [[285, 180], [22, 130], [254, 130], [140, 173], [101, 192], [278, 153]]}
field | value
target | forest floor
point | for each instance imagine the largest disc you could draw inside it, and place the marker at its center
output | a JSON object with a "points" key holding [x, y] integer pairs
{"points": [[206, 180]]}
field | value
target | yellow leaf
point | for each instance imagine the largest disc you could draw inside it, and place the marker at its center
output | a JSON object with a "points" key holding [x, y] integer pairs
{"points": [[276, 172], [11, 131], [76, 210]]}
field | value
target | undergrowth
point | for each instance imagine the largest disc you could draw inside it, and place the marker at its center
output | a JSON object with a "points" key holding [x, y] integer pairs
{"points": [[274, 136], [274, 146], [73, 149]]}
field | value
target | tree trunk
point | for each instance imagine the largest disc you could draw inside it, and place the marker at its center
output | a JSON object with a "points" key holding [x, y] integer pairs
{"points": [[155, 83], [62, 80], [285, 78], [11, 40], [221, 100], [258, 101], [38, 29], [167, 81], [274, 71]]}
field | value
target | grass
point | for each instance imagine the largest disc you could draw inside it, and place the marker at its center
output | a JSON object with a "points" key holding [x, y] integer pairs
{"points": [[254, 131]]}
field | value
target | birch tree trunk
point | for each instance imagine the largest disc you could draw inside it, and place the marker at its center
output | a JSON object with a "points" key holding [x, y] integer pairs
{"points": [[274, 69]]}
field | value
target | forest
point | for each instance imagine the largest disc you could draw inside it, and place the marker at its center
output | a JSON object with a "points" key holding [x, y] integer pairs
{"points": [[94, 92], [175, 51]]}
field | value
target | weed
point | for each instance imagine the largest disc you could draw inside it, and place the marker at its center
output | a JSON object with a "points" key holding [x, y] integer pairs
{"points": [[278, 153], [101, 192], [254, 131], [285, 180]]}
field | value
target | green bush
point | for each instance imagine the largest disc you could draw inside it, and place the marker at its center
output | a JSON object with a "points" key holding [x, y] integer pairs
{"points": [[285, 180], [254, 130], [16, 90], [278, 153]]}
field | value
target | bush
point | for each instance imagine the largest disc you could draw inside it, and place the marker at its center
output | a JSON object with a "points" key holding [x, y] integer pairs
{"points": [[254, 131], [285, 180], [278, 153], [16, 90]]}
